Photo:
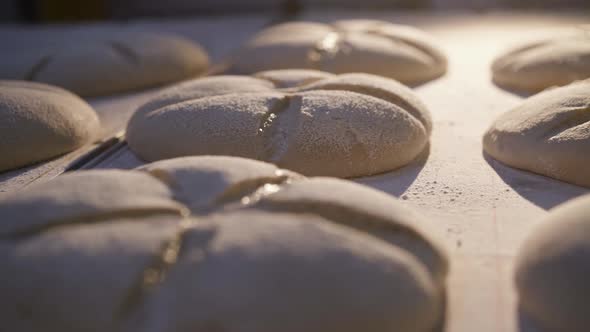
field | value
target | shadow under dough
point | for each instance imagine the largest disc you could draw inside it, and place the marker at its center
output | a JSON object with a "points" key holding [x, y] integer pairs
{"points": [[442, 322], [396, 182], [540, 190], [521, 93]]}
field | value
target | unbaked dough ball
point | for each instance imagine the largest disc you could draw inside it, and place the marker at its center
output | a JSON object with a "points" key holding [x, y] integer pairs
{"points": [[98, 63], [548, 134], [39, 121], [214, 244], [345, 126], [553, 269], [375, 47], [537, 66]]}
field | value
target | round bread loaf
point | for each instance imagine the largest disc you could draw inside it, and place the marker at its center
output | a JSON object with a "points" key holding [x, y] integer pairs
{"points": [[369, 46], [537, 66], [96, 63], [553, 269], [38, 122], [214, 244], [548, 134], [345, 126]]}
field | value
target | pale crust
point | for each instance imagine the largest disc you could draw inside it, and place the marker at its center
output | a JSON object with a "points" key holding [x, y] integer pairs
{"points": [[39, 122], [369, 46], [94, 64], [553, 268], [548, 134], [289, 78], [537, 66], [346, 126], [251, 246]]}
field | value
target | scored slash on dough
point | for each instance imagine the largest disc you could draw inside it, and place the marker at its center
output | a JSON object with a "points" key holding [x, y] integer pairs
{"points": [[370, 46], [540, 65], [328, 46], [334, 42], [37, 68], [272, 114], [334, 118], [156, 271], [89, 219], [246, 193], [276, 127], [370, 224], [120, 62], [376, 31], [251, 191], [124, 51], [165, 272], [547, 134], [578, 116]]}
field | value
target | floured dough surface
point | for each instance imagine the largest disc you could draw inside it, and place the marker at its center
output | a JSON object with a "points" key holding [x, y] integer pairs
{"points": [[288, 78], [253, 247], [548, 134], [39, 121], [346, 126], [369, 46], [553, 269], [95, 63], [537, 66]]}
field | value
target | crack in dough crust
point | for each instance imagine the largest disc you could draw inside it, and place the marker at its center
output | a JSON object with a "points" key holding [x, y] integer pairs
{"points": [[240, 236], [131, 61], [311, 122], [327, 47], [374, 47]]}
